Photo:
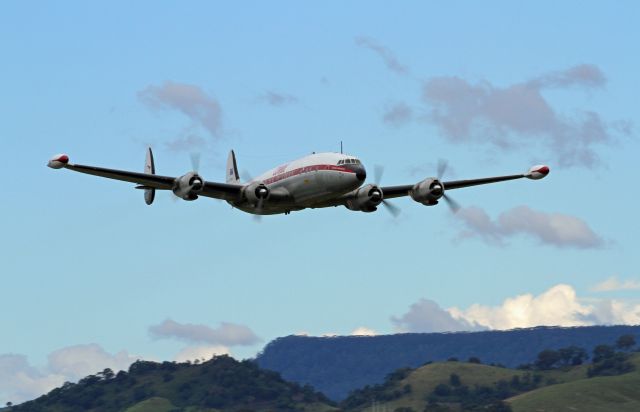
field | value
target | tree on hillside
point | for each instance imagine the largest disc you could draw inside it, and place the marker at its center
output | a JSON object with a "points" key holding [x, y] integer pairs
{"points": [[626, 342], [608, 362], [602, 352], [474, 359], [547, 359], [572, 355]]}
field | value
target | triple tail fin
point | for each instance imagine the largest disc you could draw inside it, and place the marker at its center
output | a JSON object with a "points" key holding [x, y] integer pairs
{"points": [[232, 169]]}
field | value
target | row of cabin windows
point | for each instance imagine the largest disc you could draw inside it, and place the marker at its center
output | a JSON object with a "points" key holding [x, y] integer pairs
{"points": [[349, 162]]}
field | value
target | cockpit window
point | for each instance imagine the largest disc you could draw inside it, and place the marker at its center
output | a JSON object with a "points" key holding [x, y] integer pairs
{"points": [[357, 161]]}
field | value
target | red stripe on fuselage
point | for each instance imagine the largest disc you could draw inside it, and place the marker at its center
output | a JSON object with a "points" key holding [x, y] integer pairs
{"points": [[306, 169]]}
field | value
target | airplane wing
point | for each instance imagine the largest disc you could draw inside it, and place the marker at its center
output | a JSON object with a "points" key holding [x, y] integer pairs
{"points": [[224, 191], [535, 173]]}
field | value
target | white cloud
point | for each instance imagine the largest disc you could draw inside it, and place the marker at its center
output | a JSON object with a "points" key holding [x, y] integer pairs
{"points": [[363, 331], [555, 229], [20, 381], [613, 284], [78, 361], [227, 334], [191, 353], [557, 306]]}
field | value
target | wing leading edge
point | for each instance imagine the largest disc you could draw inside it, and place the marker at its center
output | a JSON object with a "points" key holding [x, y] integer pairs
{"points": [[216, 190], [535, 173]]}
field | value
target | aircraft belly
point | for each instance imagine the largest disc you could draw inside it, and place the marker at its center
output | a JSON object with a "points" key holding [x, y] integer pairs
{"points": [[310, 189]]}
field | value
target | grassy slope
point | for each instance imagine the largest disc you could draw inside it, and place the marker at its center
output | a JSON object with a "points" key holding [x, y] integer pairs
{"points": [[424, 380], [152, 405], [619, 393], [573, 388]]}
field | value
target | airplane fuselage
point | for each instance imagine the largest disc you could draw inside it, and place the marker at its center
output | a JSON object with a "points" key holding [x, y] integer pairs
{"points": [[308, 182]]}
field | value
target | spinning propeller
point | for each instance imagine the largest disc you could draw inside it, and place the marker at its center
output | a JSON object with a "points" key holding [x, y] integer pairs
{"points": [[442, 168], [378, 172]]}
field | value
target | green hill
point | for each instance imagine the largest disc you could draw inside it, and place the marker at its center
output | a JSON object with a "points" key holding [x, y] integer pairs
{"points": [[607, 393], [454, 386], [221, 384]]}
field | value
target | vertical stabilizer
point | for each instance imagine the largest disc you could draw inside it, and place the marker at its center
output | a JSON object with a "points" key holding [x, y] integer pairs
{"points": [[232, 169], [149, 168]]}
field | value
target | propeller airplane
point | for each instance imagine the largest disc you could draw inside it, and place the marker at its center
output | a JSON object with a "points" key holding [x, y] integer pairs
{"points": [[314, 181]]}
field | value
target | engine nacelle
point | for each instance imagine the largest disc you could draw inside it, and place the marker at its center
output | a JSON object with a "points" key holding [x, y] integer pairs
{"points": [[427, 192], [365, 199], [256, 193], [188, 186]]}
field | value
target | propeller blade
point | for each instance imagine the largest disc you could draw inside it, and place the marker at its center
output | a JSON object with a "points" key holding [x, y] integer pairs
{"points": [[453, 205], [258, 218], [195, 161], [391, 208], [378, 172], [442, 168]]}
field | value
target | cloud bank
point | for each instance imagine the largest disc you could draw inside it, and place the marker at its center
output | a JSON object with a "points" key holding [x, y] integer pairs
{"points": [[557, 306], [554, 229], [516, 115], [20, 381], [227, 334]]}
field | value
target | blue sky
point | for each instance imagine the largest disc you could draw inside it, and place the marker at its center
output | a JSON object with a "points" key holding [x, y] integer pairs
{"points": [[87, 266]]}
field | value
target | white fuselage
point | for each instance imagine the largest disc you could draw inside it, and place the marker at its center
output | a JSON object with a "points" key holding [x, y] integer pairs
{"points": [[312, 181]]}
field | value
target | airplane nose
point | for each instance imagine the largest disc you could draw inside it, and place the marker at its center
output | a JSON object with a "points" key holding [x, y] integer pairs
{"points": [[361, 174]]}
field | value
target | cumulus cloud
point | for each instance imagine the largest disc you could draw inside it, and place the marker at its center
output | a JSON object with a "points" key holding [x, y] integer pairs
{"points": [[206, 352], [427, 316], [613, 284], [398, 114], [78, 361], [20, 381], [203, 110], [227, 334], [385, 54], [279, 99], [557, 306], [363, 331], [555, 229], [515, 115]]}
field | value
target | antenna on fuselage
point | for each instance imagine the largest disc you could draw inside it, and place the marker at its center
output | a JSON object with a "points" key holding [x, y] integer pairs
{"points": [[341, 147]]}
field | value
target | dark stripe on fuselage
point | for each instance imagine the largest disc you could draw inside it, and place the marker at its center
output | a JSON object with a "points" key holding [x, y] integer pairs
{"points": [[306, 169]]}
